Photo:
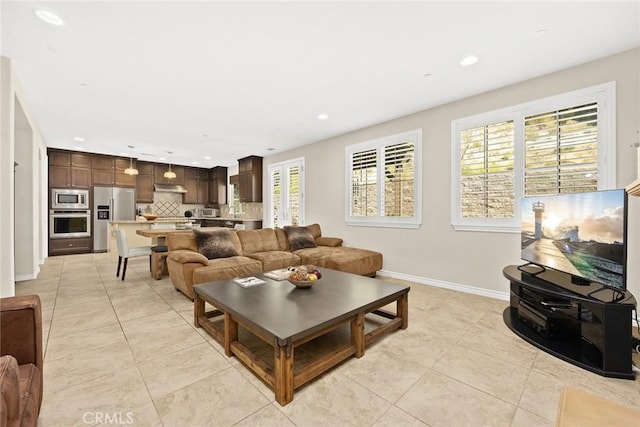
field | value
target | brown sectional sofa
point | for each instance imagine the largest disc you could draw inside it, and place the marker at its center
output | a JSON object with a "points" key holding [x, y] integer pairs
{"points": [[261, 250]]}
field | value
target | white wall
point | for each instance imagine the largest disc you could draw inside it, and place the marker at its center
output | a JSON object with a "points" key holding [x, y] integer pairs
{"points": [[20, 141], [435, 253]]}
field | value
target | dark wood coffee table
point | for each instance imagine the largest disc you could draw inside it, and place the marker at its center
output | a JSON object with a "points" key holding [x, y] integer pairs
{"points": [[286, 317]]}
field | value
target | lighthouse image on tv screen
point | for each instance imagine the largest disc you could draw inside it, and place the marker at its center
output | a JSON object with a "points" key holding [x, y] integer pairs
{"points": [[582, 234]]}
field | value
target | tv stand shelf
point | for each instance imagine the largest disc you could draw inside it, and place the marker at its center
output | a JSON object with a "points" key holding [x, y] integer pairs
{"points": [[584, 324]]}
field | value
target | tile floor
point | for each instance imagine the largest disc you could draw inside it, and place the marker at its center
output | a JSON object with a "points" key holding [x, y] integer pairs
{"points": [[127, 353]]}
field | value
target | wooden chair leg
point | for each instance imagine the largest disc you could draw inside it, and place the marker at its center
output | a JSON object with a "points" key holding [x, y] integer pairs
{"points": [[118, 270], [124, 269]]}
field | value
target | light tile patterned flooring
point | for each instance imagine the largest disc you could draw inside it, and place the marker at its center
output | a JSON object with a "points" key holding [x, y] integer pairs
{"points": [[127, 353]]}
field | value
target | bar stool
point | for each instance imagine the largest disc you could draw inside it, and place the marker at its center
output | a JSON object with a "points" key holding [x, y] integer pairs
{"points": [[159, 261]]}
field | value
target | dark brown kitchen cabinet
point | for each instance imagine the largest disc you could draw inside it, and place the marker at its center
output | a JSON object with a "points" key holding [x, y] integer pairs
{"points": [[160, 169], [250, 179], [102, 170], [104, 163], [218, 185], [121, 179], [144, 182], [68, 169], [70, 246], [68, 177], [196, 182]]}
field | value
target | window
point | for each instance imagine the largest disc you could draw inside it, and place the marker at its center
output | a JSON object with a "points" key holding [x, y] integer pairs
{"points": [[286, 188], [383, 181], [563, 144]]}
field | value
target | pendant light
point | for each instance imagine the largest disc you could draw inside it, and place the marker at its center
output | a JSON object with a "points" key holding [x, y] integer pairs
{"points": [[131, 170], [170, 174]]}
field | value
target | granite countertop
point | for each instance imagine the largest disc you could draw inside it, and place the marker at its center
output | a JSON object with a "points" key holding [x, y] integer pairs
{"points": [[182, 220], [220, 218]]}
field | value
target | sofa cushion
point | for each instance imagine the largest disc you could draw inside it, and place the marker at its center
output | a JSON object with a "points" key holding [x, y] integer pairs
{"points": [[262, 240], [273, 260], [283, 241], [215, 244], [346, 259], [300, 238], [226, 268], [176, 241]]}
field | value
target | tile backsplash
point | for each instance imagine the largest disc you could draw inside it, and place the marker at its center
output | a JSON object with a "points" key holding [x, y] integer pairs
{"points": [[170, 205]]}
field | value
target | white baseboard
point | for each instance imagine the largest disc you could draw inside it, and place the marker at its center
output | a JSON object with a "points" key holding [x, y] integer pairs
{"points": [[23, 277], [504, 296], [32, 276]]}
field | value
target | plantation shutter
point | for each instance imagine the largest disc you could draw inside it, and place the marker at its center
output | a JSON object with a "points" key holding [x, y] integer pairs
{"points": [[294, 194], [364, 183], [561, 151], [399, 179], [487, 171], [276, 197]]}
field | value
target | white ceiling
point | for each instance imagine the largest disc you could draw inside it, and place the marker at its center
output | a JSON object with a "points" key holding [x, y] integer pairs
{"points": [[231, 79]]}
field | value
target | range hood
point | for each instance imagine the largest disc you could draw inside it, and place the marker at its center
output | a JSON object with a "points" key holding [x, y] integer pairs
{"points": [[169, 188]]}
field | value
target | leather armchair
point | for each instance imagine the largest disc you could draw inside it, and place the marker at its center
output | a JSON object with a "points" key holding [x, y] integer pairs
{"points": [[21, 360]]}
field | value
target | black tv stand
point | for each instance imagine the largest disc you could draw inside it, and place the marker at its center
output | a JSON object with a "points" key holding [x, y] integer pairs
{"points": [[587, 325]]}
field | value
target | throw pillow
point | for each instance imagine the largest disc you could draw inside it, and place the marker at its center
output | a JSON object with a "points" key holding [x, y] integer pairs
{"points": [[215, 244], [299, 238]]}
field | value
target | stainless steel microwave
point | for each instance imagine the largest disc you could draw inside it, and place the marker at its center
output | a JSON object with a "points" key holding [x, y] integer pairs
{"points": [[64, 198], [209, 213]]}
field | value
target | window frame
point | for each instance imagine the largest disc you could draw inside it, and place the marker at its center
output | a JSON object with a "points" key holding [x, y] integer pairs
{"points": [[605, 97], [379, 144]]}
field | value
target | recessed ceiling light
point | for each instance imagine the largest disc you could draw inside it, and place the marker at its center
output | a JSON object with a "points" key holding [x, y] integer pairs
{"points": [[270, 149], [207, 157], [541, 31], [124, 154], [194, 163], [77, 138], [161, 158], [48, 17], [468, 60], [323, 116], [428, 75], [79, 148]]}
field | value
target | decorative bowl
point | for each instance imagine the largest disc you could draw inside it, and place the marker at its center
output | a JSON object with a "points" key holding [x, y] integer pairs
{"points": [[303, 284], [150, 217], [299, 276]]}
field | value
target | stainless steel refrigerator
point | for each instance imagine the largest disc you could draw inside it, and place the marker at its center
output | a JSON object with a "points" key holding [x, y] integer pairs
{"points": [[110, 204]]}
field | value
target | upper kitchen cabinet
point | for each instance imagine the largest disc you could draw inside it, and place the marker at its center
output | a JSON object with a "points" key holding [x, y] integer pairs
{"points": [[69, 170], [218, 185], [250, 179], [121, 178], [109, 170], [144, 182], [160, 169], [102, 170], [196, 181]]}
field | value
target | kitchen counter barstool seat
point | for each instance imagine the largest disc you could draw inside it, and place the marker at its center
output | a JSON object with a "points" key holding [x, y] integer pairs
{"points": [[124, 251]]}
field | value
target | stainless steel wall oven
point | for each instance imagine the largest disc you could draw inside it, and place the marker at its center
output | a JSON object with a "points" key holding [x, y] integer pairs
{"points": [[64, 224]]}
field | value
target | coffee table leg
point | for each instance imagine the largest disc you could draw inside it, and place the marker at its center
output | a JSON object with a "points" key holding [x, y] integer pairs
{"points": [[402, 308], [198, 310], [230, 333], [357, 334], [283, 373]]}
